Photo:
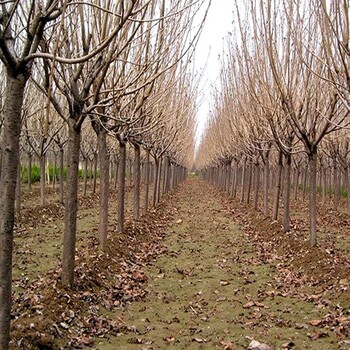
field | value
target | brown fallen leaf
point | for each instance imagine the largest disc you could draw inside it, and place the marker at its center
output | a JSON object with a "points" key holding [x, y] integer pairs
{"points": [[249, 305], [315, 323], [169, 339], [200, 340], [227, 346], [86, 341], [344, 320], [258, 304], [139, 276], [319, 335], [255, 345], [224, 283]]}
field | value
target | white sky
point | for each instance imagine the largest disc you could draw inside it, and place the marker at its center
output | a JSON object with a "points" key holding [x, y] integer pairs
{"points": [[210, 46]]}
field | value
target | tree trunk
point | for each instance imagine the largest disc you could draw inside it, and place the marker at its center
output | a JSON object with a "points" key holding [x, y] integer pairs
{"points": [[324, 184], [287, 173], [42, 180], [256, 185], [304, 183], [85, 176], [223, 170], [336, 185], [47, 170], [155, 182], [171, 176], [95, 172], [121, 186], [30, 166], [116, 174], [235, 181], [137, 180], [91, 169], [151, 171], [61, 175], [111, 168], [71, 205], [229, 176], [347, 184], [249, 184], [1, 150], [313, 192], [278, 187], [18, 190], [9, 167], [130, 173], [232, 179], [266, 184], [243, 180], [165, 175], [147, 180], [160, 168], [283, 183], [168, 178], [222, 176], [54, 178], [296, 186], [104, 188]]}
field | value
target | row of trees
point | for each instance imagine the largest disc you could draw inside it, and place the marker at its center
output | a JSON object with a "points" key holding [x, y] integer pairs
{"points": [[49, 167], [283, 103], [123, 65]]}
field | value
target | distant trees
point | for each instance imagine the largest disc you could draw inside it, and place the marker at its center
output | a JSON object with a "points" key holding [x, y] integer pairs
{"points": [[285, 93]]}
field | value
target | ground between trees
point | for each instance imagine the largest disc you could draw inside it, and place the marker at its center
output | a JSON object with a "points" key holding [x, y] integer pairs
{"points": [[204, 272]]}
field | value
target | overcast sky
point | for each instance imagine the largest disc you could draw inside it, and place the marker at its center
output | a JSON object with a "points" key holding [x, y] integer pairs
{"points": [[210, 46]]}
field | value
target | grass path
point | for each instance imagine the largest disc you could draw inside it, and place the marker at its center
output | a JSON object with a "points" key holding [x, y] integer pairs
{"points": [[211, 290]]}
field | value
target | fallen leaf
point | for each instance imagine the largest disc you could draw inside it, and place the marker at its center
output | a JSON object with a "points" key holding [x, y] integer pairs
{"points": [[199, 340], [221, 299], [259, 304], [315, 323], [249, 305], [64, 325], [319, 335], [169, 339], [227, 346], [255, 345]]}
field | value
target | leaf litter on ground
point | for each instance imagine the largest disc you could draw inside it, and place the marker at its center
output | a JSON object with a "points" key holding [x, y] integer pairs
{"points": [[222, 277], [48, 316]]}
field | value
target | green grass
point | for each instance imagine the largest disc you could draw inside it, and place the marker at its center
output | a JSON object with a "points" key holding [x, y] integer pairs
{"points": [[35, 174], [329, 190]]}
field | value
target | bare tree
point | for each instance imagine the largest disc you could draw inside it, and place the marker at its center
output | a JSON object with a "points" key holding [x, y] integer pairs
{"points": [[39, 134], [21, 31], [74, 77]]}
